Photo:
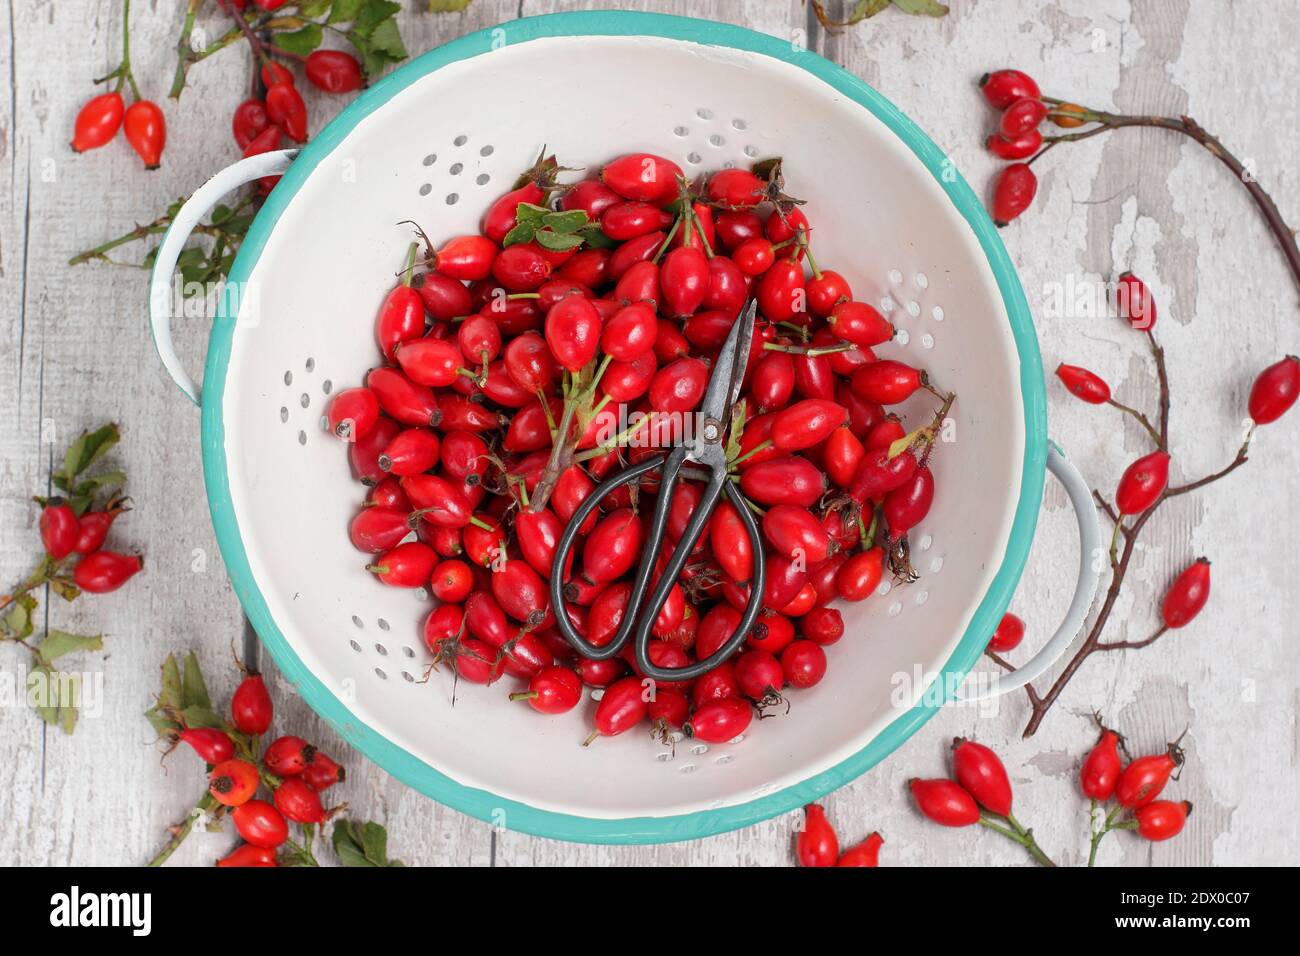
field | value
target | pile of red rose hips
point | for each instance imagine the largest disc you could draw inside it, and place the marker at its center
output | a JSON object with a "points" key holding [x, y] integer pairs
{"points": [[980, 793], [816, 843], [292, 769], [511, 361]]}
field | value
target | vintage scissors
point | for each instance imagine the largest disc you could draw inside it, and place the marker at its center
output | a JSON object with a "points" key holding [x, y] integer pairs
{"points": [[706, 448]]}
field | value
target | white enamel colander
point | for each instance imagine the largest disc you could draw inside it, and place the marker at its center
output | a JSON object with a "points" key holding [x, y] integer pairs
{"points": [[435, 142]]}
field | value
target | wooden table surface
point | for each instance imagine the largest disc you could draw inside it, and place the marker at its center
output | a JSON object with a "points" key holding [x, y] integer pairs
{"points": [[75, 351]]}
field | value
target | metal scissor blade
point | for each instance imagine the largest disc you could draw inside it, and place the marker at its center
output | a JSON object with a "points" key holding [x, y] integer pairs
{"points": [[729, 372]]}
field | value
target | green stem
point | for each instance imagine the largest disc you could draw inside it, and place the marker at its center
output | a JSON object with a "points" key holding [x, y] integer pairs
{"points": [[1020, 835], [408, 273], [1107, 825], [206, 805], [761, 446]]}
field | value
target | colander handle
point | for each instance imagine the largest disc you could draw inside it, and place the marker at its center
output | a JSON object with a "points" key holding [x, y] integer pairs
{"points": [[1085, 588], [169, 251]]}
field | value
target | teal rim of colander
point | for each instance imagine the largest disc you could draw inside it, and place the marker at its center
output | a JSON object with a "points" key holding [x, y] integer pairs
{"points": [[483, 804]]}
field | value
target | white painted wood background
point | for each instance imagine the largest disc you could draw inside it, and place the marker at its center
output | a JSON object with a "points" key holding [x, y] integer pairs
{"points": [[75, 352]]}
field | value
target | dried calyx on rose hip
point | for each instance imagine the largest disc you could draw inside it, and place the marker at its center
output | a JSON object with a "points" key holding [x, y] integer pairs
{"points": [[573, 334]]}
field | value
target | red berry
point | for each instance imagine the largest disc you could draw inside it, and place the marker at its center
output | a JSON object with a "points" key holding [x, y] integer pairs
{"points": [[1143, 779], [1162, 819], [60, 529], [803, 663], [98, 121], [1101, 768], [248, 855], [146, 130], [287, 110], [552, 690], [1001, 88], [333, 71], [322, 773], [1187, 595], [260, 824], [288, 756], [249, 121], [1013, 191], [105, 571], [250, 707], [643, 177], [816, 843], [981, 773], [866, 853], [1135, 303], [1021, 117], [212, 745], [1014, 147], [1084, 384], [1142, 483], [1009, 634], [1275, 390], [299, 802], [233, 782], [944, 802]]}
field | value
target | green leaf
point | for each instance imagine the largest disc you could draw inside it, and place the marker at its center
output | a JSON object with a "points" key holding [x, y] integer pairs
{"points": [[199, 716], [302, 41], [522, 232], [61, 586], [361, 844], [344, 11], [194, 690], [313, 8], [595, 237], [928, 8], [385, 38], [372, 13], [54, 696], [83, 452], [107, 479], [866, 9], [171, 694], [565, 222], [17, 622], [448, 6], [220, 213], [59, 643], [528, 212], [555, 241]]}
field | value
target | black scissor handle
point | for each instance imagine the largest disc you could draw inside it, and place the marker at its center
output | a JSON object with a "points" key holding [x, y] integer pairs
{"points": [[632, 616]]}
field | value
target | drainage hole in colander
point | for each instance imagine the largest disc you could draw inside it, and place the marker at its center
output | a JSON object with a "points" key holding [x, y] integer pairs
{"points": [[751, 152], [408, 650], [355, 646], [487, 150], [383, 625], [699, 749], [426, 188], [736, 739], [704, 113], [302, 438], [676, 737], [887, 304], [884, 588], [680, 131], [304, 400], [430, 159], [922, 280], [729, 165], [453, 198], [937, 313], [895, 609], [310, 365], [902, 337], [327, 386], [914, 308], [739, 124], [664, 756], [724, 759], [598, 693], [895, 276], [927, 341], [324, 423], [357, 621], [288, 378], [284, 414], [925, 542], [693, 158], [482, 179], [379, 672], [686, 768], [936, 565], [456, 168], [408, 677], [381, 650], [716, 140], [921, 597], [460, 140]]}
